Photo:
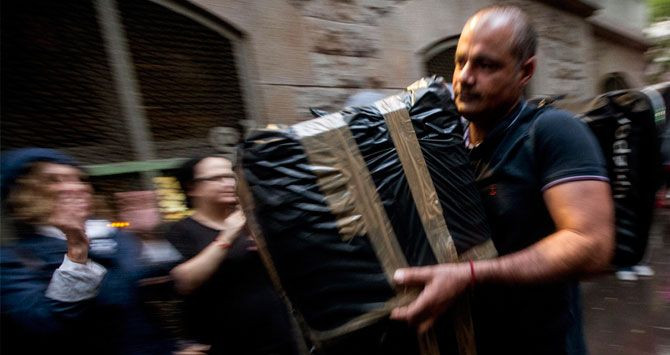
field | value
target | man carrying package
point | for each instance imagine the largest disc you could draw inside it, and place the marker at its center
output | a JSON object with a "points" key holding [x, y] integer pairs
{"points": [[544, 185]]}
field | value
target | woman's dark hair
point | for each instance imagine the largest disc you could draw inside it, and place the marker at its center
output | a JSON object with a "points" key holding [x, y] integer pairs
{"points": [[185, 175]]}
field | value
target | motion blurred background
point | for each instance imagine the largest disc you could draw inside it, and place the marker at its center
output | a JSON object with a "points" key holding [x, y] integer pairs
{"points": [[133, 87]]}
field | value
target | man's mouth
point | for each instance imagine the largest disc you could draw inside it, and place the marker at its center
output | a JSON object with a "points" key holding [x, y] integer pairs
{"points": [[467, 97]]}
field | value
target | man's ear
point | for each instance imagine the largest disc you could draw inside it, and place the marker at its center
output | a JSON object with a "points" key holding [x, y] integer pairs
{"points": [[527, 70]]}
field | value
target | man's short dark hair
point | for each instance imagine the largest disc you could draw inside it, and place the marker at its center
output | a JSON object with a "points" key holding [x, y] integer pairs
{"points": [[524, 42]]}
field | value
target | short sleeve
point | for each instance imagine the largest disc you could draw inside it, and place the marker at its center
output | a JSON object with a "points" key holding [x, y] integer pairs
{"points": [[566, 150], [181, 239]]}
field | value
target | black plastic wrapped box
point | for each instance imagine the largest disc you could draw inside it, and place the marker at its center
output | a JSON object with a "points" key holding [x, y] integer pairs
{"points": [[338, 203], [626, 123]]}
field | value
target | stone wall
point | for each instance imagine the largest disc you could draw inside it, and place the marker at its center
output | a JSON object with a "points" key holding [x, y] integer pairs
{"points": [[564, 52], [316, 53], [611, 57]]}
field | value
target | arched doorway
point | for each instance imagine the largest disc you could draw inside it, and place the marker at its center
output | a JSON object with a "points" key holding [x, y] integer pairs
{"points": [[439, 58], [613, 82]]}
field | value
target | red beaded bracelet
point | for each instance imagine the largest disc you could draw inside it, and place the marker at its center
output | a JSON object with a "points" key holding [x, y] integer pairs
{"points": [[473, 277]]}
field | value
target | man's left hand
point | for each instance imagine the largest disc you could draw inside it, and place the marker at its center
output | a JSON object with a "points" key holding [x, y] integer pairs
{"points": [[442, 285]]}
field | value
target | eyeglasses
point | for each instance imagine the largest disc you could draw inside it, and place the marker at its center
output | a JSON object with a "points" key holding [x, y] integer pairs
{"points": [[215, 178]]}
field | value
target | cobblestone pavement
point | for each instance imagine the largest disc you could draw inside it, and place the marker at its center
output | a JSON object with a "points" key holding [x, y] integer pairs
{"points": [[633, 317]]}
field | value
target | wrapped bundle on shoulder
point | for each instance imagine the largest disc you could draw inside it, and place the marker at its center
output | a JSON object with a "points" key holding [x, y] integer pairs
{"points": [[338, 203], [626, 124]]}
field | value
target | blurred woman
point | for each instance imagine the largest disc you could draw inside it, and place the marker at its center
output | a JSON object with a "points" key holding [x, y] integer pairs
{"points": [[65, 289], [230, 302]]}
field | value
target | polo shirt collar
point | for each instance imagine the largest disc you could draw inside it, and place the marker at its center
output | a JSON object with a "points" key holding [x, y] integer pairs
{"points": [[500, 129]]}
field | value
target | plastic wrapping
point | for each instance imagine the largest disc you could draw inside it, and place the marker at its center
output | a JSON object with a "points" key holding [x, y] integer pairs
{"points": [[624, 124], [343, 200]]}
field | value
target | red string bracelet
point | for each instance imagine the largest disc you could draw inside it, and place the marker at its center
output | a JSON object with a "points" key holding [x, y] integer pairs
{"points": [[473, 277], [225, 246]]}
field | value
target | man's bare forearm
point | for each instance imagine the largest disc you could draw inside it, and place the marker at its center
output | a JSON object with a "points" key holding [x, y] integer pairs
{"points": [[583, 244], [583, 214], [561, 255]]}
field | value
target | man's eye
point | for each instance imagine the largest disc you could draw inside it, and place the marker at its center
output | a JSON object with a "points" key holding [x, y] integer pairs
{"points": [[488, 65]]}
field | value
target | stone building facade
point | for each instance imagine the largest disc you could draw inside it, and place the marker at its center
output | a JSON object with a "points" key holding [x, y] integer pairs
{"points": [[132, 87], [304, 53]]}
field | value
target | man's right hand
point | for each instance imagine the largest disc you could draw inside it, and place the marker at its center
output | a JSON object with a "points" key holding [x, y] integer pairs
{"points": [[442, 284]]}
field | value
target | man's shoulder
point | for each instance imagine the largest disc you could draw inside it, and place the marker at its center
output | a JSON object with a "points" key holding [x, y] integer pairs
{"points": [[564, 147], [554, 121], [552, 116]]}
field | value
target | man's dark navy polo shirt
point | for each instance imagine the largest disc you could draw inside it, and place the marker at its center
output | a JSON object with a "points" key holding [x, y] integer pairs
{"points": [[528, 152]]}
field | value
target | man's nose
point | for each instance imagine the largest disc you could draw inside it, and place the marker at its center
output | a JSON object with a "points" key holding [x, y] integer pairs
{"points": [[466, 76]]}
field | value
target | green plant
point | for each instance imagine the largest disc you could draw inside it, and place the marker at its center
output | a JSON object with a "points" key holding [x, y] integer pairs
{"points": [[658, 9]]}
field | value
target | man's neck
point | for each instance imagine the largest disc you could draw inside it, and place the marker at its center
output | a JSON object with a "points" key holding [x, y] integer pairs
{"points": [[480, 128]]}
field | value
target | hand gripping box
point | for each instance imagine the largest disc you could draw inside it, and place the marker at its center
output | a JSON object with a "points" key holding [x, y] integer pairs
{"points": [[338, 203]]}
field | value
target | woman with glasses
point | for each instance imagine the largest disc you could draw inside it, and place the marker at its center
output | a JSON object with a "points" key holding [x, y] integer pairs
{"points": [[230, 305]]}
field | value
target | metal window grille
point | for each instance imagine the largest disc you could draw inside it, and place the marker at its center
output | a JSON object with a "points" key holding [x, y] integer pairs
{"points": [[187, 76], [58, 89], [442, 63], [56, 86]]}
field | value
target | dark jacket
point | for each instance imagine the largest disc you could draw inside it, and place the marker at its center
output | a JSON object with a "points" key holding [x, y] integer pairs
{"points": [[113, 322]]}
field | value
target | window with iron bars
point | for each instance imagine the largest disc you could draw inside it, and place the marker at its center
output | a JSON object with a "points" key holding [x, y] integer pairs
{"points": [[128, 87]]}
